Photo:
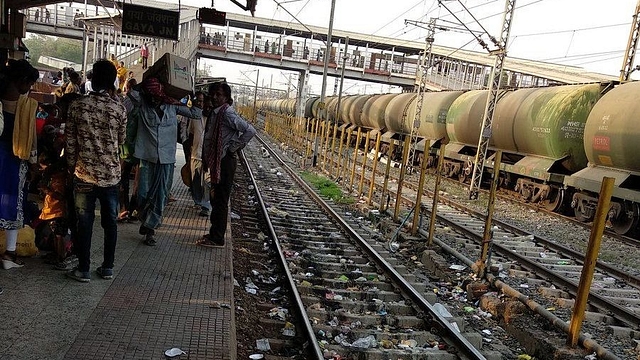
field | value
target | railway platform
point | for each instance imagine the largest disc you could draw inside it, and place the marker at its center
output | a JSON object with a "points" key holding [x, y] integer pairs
{"points": [[160, 298]]}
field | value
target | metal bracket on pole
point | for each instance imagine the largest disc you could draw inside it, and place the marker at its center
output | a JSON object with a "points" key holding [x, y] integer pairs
{"points": [[494, 87]]}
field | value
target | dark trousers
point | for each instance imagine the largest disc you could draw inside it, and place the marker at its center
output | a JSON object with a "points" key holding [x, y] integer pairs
{"points": [[126, 203], [220, 194], [85, 203], [144, 62]]}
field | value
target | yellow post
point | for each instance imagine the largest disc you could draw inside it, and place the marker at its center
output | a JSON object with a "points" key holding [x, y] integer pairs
{"points": [[418, 205], [309, 137], [339, 161], [403, 170], [344, 167], [267, 117], [373, 171], [333, 146], [281, 123], [287, 130], [355, 159], [302, 135], [436, 194], [364, 162], [297, 129], [597, 229], [385, 183], [316, 134], [324, 144], [487, 237]]}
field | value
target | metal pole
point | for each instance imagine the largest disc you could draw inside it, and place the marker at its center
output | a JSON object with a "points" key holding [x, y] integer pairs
{"points": [[344, 59], [417, 210], [255, 96], [324, 78], [590, 258], [436, 193], [387, 170], [487, 237], [373, 170]]}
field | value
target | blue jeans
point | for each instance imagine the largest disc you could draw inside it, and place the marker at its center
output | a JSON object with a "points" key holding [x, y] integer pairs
{"points": [[85, 196]]}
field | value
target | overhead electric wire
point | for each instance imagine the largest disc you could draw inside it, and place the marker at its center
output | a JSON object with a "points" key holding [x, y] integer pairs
{"points": [[583, 56], [299, 11], [569, 30], [493, 39], [599, 60], [396, 18]]}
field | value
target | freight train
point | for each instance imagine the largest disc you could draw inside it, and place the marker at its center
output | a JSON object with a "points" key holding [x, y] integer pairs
{"points": [[557, 142]]}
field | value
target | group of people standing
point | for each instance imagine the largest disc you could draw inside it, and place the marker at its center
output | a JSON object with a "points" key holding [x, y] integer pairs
{"points": [[44, 15], [98, 126]]}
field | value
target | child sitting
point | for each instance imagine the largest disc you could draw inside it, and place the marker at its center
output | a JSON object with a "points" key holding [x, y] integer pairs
{"points": [[52, 226]]}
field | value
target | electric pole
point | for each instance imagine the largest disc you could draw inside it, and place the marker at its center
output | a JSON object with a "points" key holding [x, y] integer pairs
{"points": [[632, 44], [421, 89], [494, 87], [323, 110]]}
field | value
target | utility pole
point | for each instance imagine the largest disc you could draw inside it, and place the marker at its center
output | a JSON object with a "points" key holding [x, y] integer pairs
{"points": [[323, 111], [344, 60], [421, 89], [494, 87], [255, 95], [632, 44]]}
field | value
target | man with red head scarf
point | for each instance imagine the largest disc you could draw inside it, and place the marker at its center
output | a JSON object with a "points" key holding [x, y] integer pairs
{"points": [[154, 130]]}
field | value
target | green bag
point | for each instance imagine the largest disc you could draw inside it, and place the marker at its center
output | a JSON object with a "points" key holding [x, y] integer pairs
{"points": [[127, 149]]}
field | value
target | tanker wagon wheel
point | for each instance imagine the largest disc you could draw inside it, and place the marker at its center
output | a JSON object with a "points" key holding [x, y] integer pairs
{"points": [[627, 221], [554, 200], [579, 212], [465, 172]]}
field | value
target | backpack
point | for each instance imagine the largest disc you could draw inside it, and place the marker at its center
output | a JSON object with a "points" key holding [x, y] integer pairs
{"points": [[134, 116]]}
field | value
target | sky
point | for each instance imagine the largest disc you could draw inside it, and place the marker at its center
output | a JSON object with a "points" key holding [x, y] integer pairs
{"points": [[592, 34]]}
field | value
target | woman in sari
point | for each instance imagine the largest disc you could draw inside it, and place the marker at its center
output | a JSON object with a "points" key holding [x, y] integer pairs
{"points": [[17, 150]]}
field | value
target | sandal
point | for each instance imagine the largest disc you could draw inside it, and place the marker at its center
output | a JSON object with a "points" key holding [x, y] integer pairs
{"points": [[124, 216], [206, 242], [10, 260]]}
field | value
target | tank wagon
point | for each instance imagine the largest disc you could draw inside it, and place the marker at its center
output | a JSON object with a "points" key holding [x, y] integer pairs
{"points": [[557, 142]]}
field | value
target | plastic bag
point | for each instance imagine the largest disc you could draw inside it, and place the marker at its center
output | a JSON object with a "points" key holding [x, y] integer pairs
{"points": [[365, 342], [26, 245]]}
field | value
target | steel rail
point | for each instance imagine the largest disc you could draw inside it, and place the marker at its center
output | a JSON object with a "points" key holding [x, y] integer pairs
{"points": [[319, 355], [467, 350], [579, 257], [625, 315]]}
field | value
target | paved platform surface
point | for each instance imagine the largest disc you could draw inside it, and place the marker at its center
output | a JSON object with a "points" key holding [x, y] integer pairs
{"points": [[159, 298]]}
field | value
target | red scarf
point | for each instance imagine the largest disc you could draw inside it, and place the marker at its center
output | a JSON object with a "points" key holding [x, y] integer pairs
{"points": [[155, 88], [214, 152]]}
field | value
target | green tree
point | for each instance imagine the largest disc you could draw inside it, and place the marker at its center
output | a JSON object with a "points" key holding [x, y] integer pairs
{"points": [[61, 48]]}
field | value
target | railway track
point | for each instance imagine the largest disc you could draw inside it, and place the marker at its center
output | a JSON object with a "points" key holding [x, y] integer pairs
{"points": [[540, 261], [352, 302], [551, 269], [411, 182]]}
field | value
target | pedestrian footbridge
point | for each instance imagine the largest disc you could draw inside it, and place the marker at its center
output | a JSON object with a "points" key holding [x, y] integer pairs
{"points": [[294, 47]]}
